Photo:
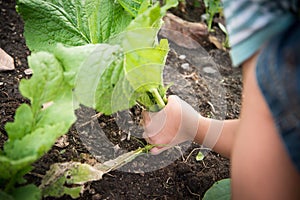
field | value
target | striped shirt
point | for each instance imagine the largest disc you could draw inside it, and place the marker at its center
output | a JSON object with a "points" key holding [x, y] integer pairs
{"points": [[251, 23]]}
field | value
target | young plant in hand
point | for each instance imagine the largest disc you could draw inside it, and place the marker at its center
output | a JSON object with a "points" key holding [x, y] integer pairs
{"points": [[88, 52]]}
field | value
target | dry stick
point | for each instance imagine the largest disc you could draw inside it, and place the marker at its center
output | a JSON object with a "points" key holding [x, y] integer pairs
{"points": [[92, 119], [179, 149], [198, 195], [212, 106]]}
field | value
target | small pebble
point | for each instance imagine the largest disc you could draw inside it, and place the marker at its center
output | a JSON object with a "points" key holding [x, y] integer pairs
{"points": [[123, 137], [209, 70], [185, 66], [28, 72], [96, 197], [182, 57]]}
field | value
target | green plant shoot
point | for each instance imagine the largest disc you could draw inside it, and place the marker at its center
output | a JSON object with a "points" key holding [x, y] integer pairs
{"points": [[213, 7]]}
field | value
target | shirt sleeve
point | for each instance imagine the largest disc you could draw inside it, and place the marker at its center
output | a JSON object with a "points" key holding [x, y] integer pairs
{"points": [[251, 23]]}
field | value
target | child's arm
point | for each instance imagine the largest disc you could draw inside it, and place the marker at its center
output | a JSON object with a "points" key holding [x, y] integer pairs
{"points": [[260, 165], [179, 122]]}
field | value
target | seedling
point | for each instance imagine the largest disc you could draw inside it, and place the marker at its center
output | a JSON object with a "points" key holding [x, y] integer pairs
{"points": [[199, 156], [226, 42], [213, 7]]}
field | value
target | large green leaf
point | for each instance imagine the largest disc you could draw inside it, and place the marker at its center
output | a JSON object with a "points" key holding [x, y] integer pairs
{"points": [[97, 73], [72, 59], [144, 66], [91, 72], [48, 22], [106, 18], [145, 57], [114, 92], [70, 22], [132, 6], [142, 31]]}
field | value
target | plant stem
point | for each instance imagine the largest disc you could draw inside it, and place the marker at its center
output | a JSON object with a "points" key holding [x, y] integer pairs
{"points": [[9, 186], [160, 102]]}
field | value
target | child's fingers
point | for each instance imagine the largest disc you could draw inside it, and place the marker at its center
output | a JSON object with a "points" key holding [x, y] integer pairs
{"points": [[154, 122], [146, 118], [157, 150]]}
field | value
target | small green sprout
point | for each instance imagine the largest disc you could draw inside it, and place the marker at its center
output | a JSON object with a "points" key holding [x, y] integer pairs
{"points": [[226, 42], [199, 156], [212, 7]]}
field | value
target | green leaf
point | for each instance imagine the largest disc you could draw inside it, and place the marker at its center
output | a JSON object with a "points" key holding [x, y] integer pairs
{"points": [[114, 93], [5, 196], [91, 72], [219, 191], [72, 58], [132, 6], [22, 124], [9, 167], [40, 140], [144, 67], [27, 192], [48, 22], [144, 58], [106, 18], [44, 86], [97, 72], [62, 177], [121, 97], [70, 22]]}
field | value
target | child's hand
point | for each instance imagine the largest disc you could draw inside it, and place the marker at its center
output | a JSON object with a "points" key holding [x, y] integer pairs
{"points": [[176, 123]]}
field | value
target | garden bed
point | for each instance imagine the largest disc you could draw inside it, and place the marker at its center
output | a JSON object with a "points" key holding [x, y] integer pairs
{"points": [[184, 177]]}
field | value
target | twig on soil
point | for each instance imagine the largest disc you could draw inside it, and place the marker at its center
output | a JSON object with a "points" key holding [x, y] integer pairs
{"points": [[198, 195], [36, 174], [179, 149], [212, 106], [190, 75], [6, 94], [92, 119]]}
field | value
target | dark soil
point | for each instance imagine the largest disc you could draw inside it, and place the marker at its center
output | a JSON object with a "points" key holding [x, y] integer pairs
{"points": [[212, 94]]}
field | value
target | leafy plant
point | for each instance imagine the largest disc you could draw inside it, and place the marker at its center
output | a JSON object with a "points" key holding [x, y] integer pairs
{"points": [[213, 7], [139, 55], [35, 128], [98, 49]]}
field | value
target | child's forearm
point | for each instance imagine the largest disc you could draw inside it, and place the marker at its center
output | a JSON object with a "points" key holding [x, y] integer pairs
{"points": [[217, 135]]}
